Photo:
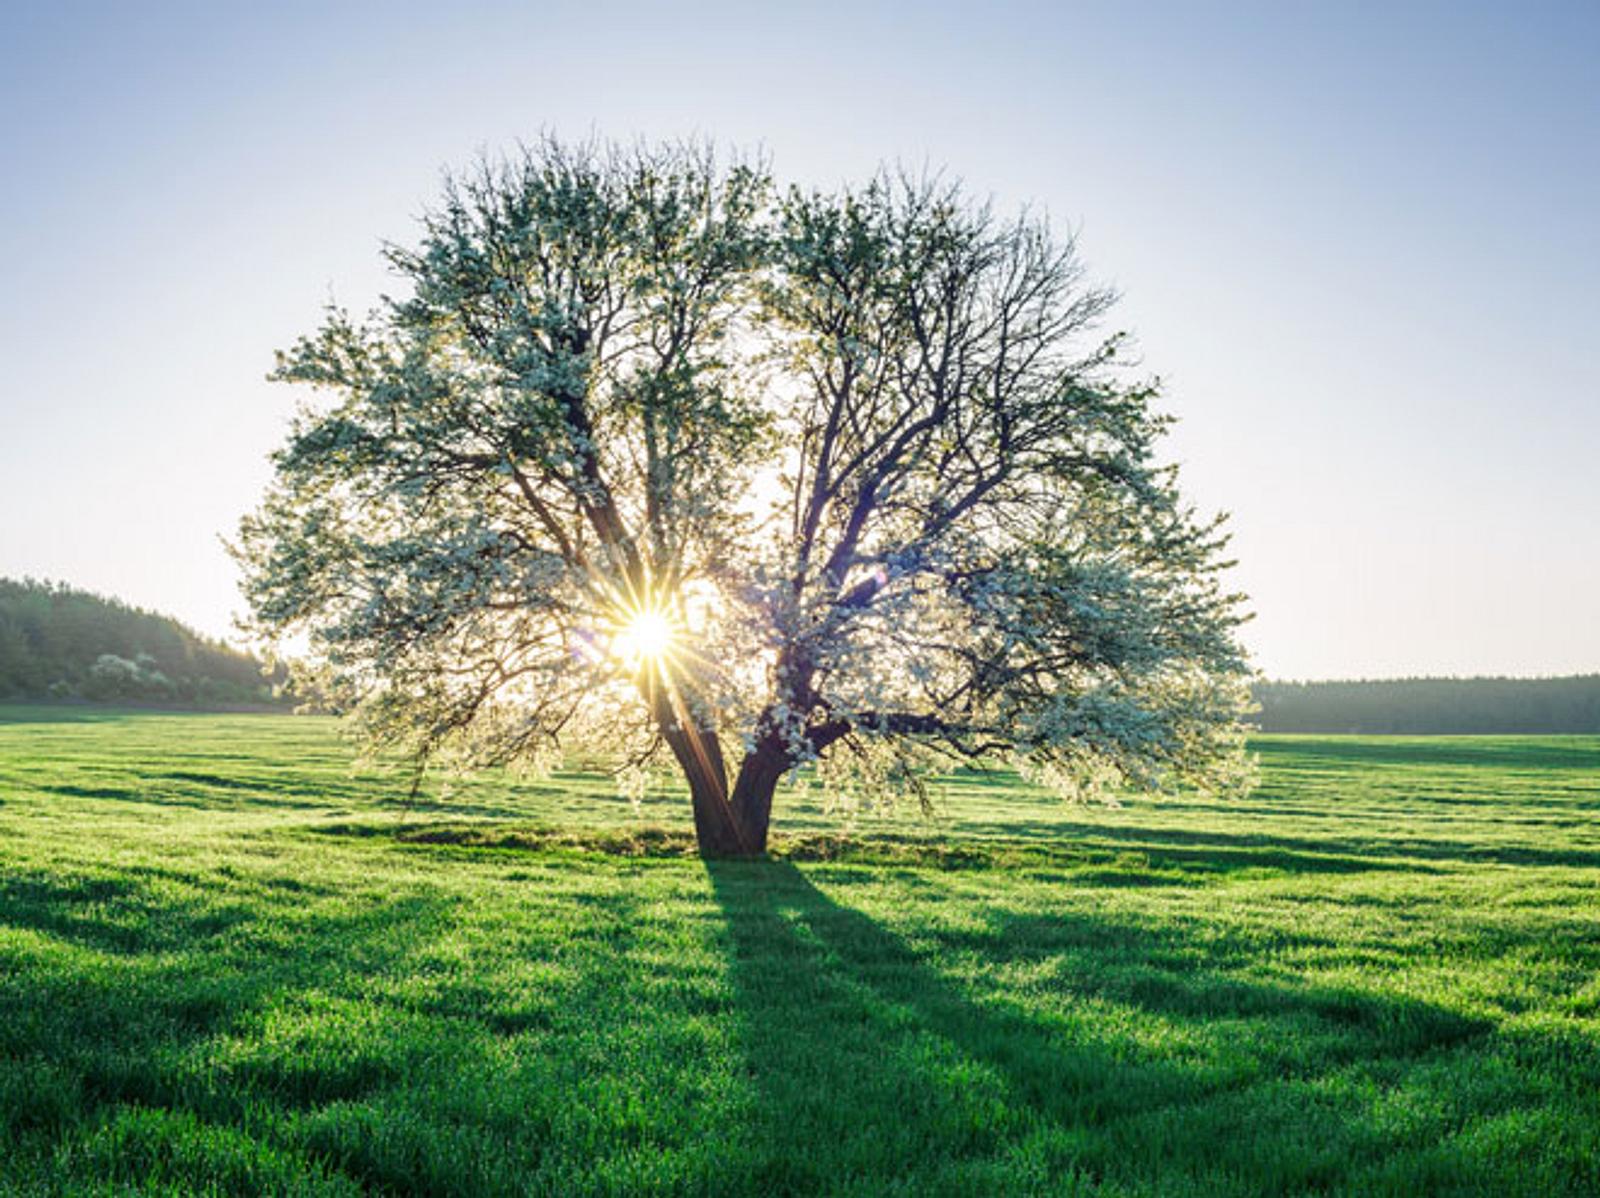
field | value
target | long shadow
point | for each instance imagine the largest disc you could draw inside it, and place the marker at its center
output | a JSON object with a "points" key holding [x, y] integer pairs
{"points": [[857, 1042]]}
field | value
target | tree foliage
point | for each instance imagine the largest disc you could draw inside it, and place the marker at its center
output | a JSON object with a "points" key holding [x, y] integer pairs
{"points": [[861, 456]]}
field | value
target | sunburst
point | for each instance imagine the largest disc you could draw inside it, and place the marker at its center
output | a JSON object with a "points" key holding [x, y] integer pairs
{"points": [[645, 636]]}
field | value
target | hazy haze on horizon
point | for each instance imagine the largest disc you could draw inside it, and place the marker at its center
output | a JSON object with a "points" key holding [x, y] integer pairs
{"points": [[1357, 242]]}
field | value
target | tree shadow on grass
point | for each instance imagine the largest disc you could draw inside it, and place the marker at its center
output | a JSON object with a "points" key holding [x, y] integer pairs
{"points": [[1140, 1065]]}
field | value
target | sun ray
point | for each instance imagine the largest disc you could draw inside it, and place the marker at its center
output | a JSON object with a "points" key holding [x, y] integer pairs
{"points": [[645, 636]]}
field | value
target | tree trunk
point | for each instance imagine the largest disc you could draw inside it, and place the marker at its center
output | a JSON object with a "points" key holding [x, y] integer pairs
{"points": [[758, 778], [725, 825], [716, 830], [699, 754]]}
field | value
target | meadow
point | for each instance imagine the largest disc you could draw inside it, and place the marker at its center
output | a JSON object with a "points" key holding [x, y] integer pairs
{"points": [[231, 965]]}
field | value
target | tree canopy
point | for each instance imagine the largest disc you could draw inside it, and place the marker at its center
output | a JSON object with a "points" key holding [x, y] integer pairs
{"points": [[651, 454]]}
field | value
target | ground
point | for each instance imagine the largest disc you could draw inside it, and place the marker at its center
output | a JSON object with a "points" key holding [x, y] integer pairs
{"points": [[229, 965]]}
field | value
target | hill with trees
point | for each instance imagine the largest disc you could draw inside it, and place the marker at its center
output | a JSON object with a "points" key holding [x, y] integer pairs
{"points": [[57, 642], [1433, 705]]}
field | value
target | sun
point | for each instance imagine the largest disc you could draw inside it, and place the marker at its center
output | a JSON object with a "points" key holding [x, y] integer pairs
{"points": [[645, 636]]}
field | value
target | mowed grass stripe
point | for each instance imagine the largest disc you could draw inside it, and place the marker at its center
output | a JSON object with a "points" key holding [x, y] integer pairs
{"points": [[229, 964]]}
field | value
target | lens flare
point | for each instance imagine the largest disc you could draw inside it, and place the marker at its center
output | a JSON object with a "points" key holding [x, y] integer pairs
{"points": [[645, 636]]}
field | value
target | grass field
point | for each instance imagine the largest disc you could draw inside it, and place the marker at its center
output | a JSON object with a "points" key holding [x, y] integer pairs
{"points": [[228, 965]]}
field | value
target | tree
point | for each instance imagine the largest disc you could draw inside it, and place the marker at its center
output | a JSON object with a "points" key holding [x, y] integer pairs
{"points": [[652, 456]]}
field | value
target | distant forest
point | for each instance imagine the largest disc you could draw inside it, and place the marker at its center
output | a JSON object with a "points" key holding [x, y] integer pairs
{"points": [[1433, 705], [61, 643]]}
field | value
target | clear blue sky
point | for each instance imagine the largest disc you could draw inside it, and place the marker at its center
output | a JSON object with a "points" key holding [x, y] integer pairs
{"points": [[1359, 241]]}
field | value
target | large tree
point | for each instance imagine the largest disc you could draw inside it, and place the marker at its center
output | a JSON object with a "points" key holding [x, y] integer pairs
{"points": [[650, 456]]}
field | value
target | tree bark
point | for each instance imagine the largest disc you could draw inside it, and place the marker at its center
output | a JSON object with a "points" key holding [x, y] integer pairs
{"points": [[759, 774], [729, 825], [717, 830]]}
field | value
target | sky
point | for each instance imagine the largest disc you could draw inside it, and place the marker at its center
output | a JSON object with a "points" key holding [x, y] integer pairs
{"points": [[1358, 242]]}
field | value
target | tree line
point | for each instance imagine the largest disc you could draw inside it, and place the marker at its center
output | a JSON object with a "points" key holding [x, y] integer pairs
{"points": [[57, 642], [1433, 705]]}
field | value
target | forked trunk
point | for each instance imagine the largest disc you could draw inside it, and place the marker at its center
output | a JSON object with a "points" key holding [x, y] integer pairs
{"points": [[730, 825], [726, 824]]}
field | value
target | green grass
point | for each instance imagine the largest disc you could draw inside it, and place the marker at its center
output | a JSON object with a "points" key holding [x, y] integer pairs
{"points": [[229, 965]]}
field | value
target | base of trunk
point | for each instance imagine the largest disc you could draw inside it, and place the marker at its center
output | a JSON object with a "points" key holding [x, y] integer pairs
{"points": [[731, 825], [717, 832]]}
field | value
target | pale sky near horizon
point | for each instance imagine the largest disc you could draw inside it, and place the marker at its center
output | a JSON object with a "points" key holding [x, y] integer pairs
{"points": [[1358, 241]]}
